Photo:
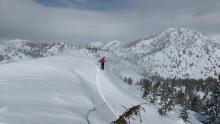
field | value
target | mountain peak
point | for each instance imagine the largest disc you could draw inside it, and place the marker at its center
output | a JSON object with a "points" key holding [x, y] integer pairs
{"points": [[181, 31], [171, 29], [182, 53]]}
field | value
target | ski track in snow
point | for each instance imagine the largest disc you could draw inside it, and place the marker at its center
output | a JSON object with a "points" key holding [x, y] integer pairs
{"points": [[93, 109], [88, 113], [101, 93]]}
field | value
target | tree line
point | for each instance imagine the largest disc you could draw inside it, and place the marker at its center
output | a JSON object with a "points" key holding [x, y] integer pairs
{"points": [[200, 96]]}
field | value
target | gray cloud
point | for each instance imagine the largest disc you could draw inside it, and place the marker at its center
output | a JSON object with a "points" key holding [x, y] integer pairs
{"points": [[27, 19]]}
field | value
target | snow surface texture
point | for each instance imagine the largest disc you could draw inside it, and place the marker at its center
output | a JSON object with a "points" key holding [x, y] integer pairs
{"points": [[68, 89]]}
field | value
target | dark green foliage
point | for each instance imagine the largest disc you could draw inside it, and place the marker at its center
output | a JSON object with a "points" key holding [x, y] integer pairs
{"points": [[162, 111], [155, 91], [183, 92], [130, 113], [195, 103], [213, 105], [180, 98], [146, 86], [128, 80], [2, 57], [184, 114], [153, 99], [167, 98], [125, 79]]}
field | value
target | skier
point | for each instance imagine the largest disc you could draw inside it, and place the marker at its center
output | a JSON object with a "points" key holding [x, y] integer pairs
{"points": [[102, 62]]}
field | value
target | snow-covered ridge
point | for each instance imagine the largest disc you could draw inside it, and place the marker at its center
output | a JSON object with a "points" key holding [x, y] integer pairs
{"points": [[181, 53], [72, 90], [215, 37], [107, 45], [16, 50]]}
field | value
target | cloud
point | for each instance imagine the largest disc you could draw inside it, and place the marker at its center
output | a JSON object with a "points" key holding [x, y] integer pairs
{"points": [[29, 20], [80, 21], [103, 5]]}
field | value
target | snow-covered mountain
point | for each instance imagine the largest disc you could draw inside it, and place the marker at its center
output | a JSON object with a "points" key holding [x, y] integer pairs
{"points": [[173, 53], [215, 37], [70, 87], [107, 45], [72, 90], [180, 53], [16, 50]]}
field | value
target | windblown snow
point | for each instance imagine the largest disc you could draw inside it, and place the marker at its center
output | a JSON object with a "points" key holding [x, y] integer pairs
{"points": [[68, 89]]}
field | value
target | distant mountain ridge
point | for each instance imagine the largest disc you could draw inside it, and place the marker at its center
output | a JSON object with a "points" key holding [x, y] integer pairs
{"points": [[17, 50], [180, 53]]}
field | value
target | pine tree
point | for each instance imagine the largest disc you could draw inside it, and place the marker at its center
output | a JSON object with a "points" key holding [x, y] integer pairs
{"points": [[146, 87], [155, 92], [184, 114], [125, 80], [162, 111], [195, 103], [167, 99], [129, 114], [213, 105], [180, 98], [130, 81]]}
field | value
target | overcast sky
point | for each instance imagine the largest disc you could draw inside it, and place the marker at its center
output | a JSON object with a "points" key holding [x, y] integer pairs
{"points": [[92, 20]]}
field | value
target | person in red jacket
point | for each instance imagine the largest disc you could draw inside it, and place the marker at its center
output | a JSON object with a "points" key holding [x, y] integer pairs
{"points": [[102, 62]]}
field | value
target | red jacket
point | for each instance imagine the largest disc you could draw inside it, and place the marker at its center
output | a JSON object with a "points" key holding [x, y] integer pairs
{"points": [[102, 60]]}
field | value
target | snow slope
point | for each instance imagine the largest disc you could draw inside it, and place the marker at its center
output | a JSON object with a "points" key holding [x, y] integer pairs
{"points": [[67, 89]]}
